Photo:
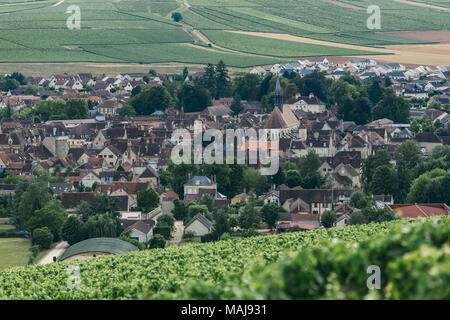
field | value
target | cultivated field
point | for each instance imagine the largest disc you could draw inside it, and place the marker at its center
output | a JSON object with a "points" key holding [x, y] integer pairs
{"points": [[127, 32]]}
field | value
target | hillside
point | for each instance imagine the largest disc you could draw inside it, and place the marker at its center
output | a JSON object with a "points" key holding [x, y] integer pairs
{"points": [[142, 31], [292, 265]]}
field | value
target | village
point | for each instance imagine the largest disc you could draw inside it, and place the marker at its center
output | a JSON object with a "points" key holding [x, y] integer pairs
{"points": [[106, 154]]}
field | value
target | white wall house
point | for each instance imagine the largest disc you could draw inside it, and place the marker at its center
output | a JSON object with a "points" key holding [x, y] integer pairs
{"points": [[199, 224]]}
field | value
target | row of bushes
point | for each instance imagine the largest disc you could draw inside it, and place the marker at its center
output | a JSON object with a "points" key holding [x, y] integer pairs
{"points": [[413, 261], [13, 234]]}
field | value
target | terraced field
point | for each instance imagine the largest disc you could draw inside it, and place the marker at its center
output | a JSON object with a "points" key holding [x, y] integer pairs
{"points": [[142, 31]]}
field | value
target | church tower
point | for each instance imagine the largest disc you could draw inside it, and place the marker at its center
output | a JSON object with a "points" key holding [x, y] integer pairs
{"points": [[278, 96]]}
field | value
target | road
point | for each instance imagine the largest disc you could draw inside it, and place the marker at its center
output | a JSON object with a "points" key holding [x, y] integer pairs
{"points": [[177, 232], [57, 251]]}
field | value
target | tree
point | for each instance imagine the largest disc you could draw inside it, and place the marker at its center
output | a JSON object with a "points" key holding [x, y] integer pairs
{"points": [[42, 237], [33, 199], [185, 73], [127, 110], [136, 90], [150, 100], [236, 105], [177, 17], [222, 226], [147, 200], [380, 158], [249, 217], [375, 91], [73, 230], [392, 107], [180, 210], [208, 202], [368, 215], [223, 85], [360, 200], [247, 86], [101, 225], [166, 219], [77, 109], [157, 241], [315, 83], [409, 153], [270, 214], [328, 218], [309, 171], [209, 79], [193, 97], [384, 180], [20, 78], [52, 216]]}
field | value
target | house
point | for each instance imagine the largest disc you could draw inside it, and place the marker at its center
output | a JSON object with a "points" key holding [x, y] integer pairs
{"points": [[198, 186], [420, 210], [306, 103], [167, 199], [110, 154], [149, 175], [90, 179], [199, 225], [70, 200], [141, 231], [427, 141]]}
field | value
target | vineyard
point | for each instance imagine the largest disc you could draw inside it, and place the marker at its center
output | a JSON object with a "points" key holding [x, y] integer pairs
{"points": [[413, 256], [36, 31]]}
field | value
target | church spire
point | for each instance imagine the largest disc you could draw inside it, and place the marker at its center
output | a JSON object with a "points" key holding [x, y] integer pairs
{"points": [[278, 96]]}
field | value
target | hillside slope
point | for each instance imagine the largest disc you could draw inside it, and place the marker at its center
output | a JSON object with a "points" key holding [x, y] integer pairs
{"points": [[176, 271]]}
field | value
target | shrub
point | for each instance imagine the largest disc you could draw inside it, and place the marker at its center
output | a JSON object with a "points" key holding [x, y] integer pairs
{"points": [[189, 235], [43, 237], [163, 230], [157, 241]]}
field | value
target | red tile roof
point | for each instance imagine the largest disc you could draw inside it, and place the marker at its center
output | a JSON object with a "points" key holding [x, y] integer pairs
{"points": [[420, 210]]}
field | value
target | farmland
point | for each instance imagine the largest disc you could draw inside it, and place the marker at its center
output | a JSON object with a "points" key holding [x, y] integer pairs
{"points": [[258, 267], [142, 31]]}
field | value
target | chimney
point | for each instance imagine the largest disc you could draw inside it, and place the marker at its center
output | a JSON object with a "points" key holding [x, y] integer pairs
{"points": [[311, 95]]}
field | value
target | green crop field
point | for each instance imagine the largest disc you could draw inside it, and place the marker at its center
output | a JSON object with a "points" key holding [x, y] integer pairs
{"points": [[324, 263], [133, 31], [14, 252]]}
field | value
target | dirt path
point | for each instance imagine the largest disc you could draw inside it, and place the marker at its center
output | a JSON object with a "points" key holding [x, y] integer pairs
{"points": [[283, 36], [345, 5], [424, 5], [426, 54], [57, 251], [58, 3], [178, 232]]}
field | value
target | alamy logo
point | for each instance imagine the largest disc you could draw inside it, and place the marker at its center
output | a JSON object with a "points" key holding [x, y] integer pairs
{"points": [[374, 20], [241, 144], [374, 281], [74, 279], [74, 20]]}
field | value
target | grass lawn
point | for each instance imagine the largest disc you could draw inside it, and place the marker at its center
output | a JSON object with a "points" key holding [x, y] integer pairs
{"points": [[14, 252], [6, 227]]}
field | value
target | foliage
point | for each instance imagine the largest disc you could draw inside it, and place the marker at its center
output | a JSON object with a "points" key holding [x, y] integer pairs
{"points": [[73, 230], [270, 214], [369, 214], [214, 263], [157, 241], [328, 218], [43, 237], [52, 216], [147, 200]]}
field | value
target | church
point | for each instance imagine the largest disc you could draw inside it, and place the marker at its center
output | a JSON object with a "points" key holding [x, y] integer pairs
{"points": [[282, 123]]}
